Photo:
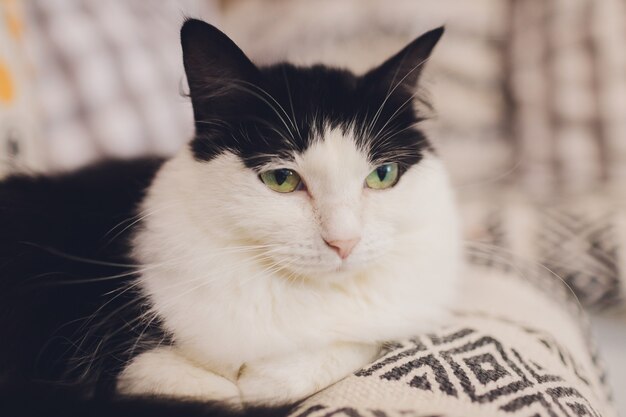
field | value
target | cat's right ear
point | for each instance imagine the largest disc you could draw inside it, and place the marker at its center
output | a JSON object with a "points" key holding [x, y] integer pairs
{"points": [[218, 72], [405, 68]]}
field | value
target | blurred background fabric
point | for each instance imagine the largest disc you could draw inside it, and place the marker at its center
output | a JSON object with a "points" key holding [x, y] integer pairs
{"points": [[18, 121], [529, 99], [107, 77]]}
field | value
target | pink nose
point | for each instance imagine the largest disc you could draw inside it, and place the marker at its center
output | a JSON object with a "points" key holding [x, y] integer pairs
{"points": [[343, 247]]}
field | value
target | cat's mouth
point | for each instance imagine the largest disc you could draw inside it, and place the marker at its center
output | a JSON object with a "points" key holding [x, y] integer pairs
{"points": [[337, 270], [305, 264], [345, 266]]}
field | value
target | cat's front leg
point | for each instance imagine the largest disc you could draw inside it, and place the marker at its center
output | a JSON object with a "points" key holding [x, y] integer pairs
{"points": [[164, 372], [296, 376]]}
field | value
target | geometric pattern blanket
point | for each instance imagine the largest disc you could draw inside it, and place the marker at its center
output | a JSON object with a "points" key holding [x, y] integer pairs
{"points": [[518, 345]]}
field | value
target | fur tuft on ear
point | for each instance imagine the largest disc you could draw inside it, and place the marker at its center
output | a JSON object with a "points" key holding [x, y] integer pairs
{"points": [[216, 69], [405, 68]]}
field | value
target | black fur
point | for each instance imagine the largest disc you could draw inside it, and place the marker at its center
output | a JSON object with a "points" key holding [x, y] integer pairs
{"points": [[260, 113], [69, 313], [42, 401], [61, 236]]}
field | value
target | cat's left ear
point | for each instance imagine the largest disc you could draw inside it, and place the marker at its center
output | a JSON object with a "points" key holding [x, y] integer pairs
{"points": [[405, 68], [218, 72]]}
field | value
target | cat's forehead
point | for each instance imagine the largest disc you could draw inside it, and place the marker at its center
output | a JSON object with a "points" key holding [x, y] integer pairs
{"points": [[300, 107], [334, 154], [332, 93]]}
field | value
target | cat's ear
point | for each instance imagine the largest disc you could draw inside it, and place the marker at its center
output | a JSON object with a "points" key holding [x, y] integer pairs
{"points": [[405, 68], [218, 72]]}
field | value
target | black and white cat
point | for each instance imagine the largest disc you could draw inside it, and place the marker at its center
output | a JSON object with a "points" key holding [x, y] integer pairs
{"points": [[307, 222]]}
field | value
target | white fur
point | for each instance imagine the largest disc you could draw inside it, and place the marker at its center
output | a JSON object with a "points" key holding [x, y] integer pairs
{"points": [[163, 371], [241, 275]]}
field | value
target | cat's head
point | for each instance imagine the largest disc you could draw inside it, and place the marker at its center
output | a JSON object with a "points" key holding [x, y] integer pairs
{"points": [[326, 169]]}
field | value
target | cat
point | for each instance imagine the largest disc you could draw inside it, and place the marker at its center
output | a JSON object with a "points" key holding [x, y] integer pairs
{"points": [[308, 221]]}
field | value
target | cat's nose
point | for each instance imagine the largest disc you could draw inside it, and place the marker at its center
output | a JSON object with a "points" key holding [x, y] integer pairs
{"points": [[343, 247]]}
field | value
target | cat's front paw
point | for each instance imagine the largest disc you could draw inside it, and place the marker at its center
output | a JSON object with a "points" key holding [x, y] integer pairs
{"points": [[163, 372], [293, 377], [264, 385]]}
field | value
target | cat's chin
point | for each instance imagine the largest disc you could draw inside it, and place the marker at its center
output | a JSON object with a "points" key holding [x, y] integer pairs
{"points": [[333, 274], [322, 268]]}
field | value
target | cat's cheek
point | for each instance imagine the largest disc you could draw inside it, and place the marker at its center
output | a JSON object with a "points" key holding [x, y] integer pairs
{"points": [[274, 219]]}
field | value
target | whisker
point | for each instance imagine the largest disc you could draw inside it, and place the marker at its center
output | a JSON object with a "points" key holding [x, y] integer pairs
{"points": [[491, 251], [293, 113], [390, 92]]}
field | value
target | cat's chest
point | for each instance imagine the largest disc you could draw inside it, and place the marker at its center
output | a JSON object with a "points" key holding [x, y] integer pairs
{"points": [[250, 315]]}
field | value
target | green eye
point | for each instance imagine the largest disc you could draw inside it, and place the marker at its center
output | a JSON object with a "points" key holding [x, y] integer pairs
{"points": [[281, 180], [384, 176]]}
